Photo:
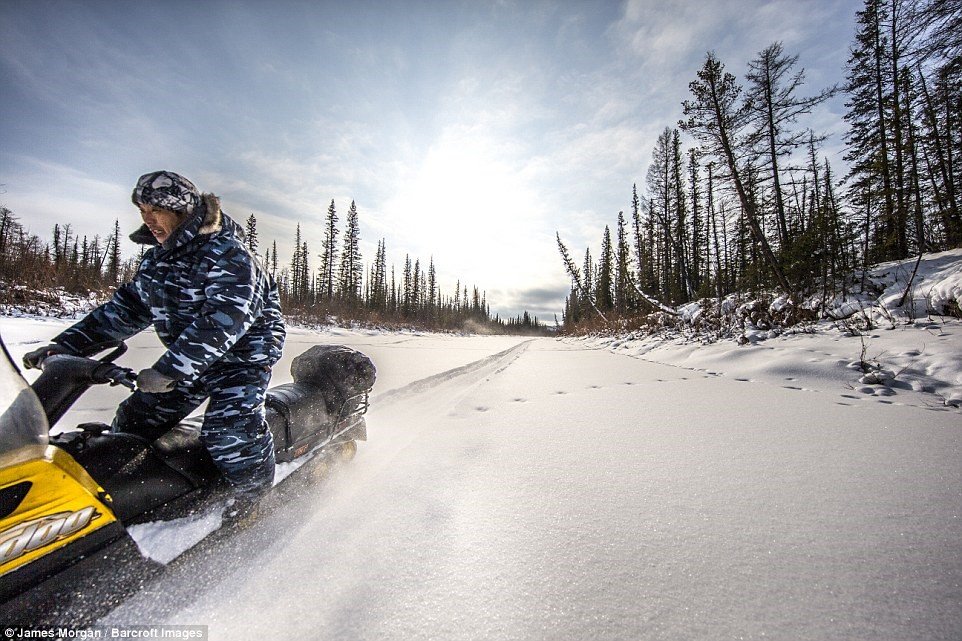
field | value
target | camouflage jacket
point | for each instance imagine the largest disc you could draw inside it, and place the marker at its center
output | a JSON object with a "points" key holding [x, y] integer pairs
{"points": [[208, 299]]}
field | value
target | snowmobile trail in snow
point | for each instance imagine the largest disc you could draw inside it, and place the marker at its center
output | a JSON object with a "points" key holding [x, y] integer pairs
{"points": [[548, 492], [462, 376]]}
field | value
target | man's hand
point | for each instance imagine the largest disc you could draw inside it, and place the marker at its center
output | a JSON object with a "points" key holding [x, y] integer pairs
{"points": [[32, 360], [151, 381]]}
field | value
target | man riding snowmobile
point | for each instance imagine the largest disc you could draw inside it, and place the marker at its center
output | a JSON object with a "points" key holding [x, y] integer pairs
{"points": [[218, 314]]}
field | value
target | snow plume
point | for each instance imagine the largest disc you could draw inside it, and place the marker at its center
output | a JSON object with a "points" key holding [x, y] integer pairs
{"points": [[473, 327], [164, 541]]}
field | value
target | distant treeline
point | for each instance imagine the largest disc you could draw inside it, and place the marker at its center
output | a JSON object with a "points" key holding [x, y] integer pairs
{"points": [[754, 205], [74, 263], [341, 289]]}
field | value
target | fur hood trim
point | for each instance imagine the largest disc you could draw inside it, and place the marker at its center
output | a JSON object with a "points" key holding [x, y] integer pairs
{"points": [[213, 218]]}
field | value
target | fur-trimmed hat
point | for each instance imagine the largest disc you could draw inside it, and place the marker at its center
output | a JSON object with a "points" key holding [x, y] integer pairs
{"points": [[166, 190]]}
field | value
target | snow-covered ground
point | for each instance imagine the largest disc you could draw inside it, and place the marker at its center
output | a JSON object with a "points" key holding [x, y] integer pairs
{"points": [[573, 489], [892, 337], [919, 364]]}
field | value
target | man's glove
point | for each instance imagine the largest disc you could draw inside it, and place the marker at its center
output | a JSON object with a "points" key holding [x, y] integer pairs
{"points": [[151, 381], [32, 360]]}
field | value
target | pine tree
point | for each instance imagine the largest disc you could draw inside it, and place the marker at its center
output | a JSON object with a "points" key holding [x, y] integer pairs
{"points": [[251, 238], [329, 255], [603, 296], [352, 267], [113, 262], [623, 276]]}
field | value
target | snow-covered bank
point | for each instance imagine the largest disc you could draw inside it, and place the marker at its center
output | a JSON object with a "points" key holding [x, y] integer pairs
{"points": [[893, 339], [919, 364]]}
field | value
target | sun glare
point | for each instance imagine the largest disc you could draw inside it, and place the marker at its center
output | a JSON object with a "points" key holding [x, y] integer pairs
{"points": [[466, 206]]}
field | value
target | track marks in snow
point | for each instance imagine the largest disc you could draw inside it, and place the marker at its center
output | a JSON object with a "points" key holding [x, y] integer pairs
{"points": [[458, 378]]}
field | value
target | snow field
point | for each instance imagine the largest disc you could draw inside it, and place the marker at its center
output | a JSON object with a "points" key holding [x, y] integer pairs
{"points": [[557, 492], [516, 489]]}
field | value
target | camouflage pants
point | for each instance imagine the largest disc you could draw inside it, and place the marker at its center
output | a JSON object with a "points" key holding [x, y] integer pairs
{"points": [[234, 430]]}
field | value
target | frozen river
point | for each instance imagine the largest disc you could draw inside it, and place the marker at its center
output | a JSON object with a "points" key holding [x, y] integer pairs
{"points": [[538, 489]]}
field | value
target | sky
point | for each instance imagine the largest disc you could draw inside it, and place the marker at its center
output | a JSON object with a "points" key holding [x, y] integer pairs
{"points": [[465, 132]]}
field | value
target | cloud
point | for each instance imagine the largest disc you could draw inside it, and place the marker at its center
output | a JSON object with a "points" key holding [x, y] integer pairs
{"points": [[43, 194], [541, 301]]}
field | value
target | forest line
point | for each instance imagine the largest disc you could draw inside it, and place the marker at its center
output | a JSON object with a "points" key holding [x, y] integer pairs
{"points": [[753, 205]]}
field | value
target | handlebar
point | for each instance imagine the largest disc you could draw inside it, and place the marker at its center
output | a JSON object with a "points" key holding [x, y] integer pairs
{"points": [[97, 371], [114, 375], [64, 378]]}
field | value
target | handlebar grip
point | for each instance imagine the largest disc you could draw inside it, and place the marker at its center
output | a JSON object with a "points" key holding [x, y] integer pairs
{"points": [[115, 375]]}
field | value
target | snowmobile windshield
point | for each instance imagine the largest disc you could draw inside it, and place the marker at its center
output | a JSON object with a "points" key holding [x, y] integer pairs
{"points": [[22, 421]]}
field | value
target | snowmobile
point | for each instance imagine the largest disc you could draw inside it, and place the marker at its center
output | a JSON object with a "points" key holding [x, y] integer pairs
{"points": [[69, 497]]}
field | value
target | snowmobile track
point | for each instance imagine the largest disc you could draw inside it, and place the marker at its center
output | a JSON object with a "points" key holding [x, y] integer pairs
{"points": [[475, 371]]}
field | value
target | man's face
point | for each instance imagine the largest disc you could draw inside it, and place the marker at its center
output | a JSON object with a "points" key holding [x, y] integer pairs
{"points": [[161, 222]]}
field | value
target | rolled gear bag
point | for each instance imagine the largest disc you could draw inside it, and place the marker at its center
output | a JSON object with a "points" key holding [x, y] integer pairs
{"points": [[331, 386]]}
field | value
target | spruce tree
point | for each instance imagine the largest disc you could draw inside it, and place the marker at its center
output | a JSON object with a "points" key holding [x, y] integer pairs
{"points": [[352, 267], [432, 287], [603, 296], [623, 277], [251, 236], [877, 120], [329, 255], [296, 271], [407, 300], [113, 262]]}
